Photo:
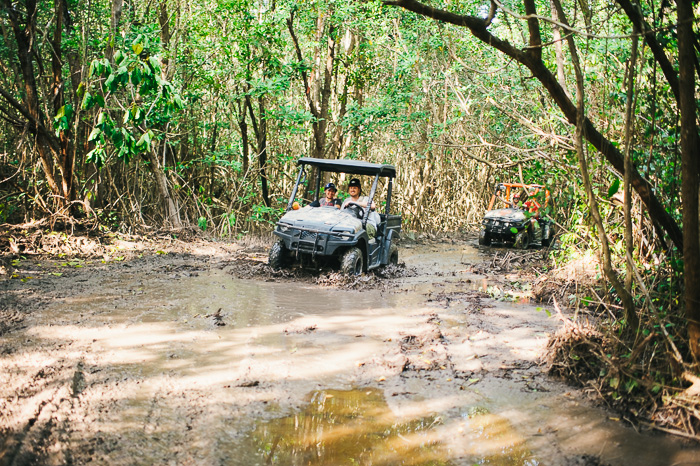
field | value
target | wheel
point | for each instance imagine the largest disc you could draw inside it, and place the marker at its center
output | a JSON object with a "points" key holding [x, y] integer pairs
{"points": [[522, 240], [546, 235], [484, 239], [351, 262], [393, 254], [279, 256]]}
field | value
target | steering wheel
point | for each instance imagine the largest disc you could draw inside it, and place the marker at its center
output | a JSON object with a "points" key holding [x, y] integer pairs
{"points": [[357, 208]]}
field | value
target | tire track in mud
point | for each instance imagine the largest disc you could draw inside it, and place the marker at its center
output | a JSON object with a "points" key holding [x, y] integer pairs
{"points": [[52, 399]]}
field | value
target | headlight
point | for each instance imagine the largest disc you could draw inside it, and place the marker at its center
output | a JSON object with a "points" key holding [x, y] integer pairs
{"points": [[283, 229]]}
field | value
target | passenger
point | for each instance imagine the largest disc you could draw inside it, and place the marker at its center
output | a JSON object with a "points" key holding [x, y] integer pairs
{"points": [[355, 189], [530, 205], [329, 200]]}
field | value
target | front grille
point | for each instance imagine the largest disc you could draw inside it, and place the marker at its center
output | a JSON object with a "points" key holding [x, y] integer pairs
{"points": [[307, 235]]}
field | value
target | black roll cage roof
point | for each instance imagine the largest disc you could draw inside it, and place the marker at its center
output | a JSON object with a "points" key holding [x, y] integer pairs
{"points": [[352, 167]]}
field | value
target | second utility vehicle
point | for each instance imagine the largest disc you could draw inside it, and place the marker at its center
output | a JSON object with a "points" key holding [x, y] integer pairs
{"points": [[519, 221]]}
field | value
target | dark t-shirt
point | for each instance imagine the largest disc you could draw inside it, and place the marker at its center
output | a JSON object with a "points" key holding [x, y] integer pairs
{"points": [[325, 203]]}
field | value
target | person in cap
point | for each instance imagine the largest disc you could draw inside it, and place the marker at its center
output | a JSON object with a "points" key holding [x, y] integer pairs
{"points": [[330, 200], [355, 198], [355, 190]]}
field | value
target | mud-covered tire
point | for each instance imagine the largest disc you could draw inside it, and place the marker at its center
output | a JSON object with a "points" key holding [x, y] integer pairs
{"points": [[279, 256], [393, 255], [484, 239], [522, 240], [547, 234], [352, 263]]}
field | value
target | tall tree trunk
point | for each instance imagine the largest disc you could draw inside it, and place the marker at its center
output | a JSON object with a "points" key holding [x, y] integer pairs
{"points": [[559, 52], [243, 126], [318, 101], [260, 130], [46, 143], [115, 19], [690, 166], [65, 139], [172, 216], [610, 274], [629, 125]]}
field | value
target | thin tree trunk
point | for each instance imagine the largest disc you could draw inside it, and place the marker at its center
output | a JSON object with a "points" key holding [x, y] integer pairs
{"points": [[172, 215], [690, 163], [629, 124], [117, 6], [46, 144], [611, 275], [559, 52]]}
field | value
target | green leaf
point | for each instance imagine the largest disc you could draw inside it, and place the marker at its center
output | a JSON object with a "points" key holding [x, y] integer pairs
{"points": [[96, 156], [137, 48], [136, 76], [614, 187], [154, 63], [94, 134], [99, 100], [514, 230], [88, 101], [111, 82], [144, 141]]}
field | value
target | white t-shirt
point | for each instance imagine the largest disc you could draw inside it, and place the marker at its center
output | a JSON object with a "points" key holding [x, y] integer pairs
{"points": [[373, 218]]}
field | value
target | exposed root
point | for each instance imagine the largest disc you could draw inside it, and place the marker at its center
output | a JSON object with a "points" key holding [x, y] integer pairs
{"points": [[570, 353]]}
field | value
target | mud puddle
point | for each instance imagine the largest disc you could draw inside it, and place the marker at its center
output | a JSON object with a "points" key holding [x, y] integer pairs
{"points": [[344, 427], [187, 360]]}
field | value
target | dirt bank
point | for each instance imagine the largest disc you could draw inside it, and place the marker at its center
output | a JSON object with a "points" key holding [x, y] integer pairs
{"points": [[172, 352]]}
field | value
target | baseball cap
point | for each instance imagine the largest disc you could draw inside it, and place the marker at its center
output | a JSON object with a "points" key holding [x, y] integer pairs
{"points": [[355, 182], [330, 186]]}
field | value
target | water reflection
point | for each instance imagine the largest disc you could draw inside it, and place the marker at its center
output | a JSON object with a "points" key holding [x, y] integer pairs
{"points": [[348, 428], [357, 427]]}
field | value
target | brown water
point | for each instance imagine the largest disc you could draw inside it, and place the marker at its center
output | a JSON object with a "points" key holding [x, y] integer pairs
{"points": [[179, 368], [345, 427]]}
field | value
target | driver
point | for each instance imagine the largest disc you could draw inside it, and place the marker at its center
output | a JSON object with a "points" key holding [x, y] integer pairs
{"points": [[355, 189]]}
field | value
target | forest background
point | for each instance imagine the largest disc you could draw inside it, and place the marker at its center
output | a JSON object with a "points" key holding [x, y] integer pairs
{"points": [[137, 116]]}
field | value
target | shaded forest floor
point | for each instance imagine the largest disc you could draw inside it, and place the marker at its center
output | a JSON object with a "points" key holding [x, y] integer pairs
{"points": [[463, 293]]}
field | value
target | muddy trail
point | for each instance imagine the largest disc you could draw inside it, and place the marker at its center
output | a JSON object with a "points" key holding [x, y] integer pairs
{"points": [[201, 355]]}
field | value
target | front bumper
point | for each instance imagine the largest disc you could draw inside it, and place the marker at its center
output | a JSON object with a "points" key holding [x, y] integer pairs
{"points": [[314, 242], [502, 231]]}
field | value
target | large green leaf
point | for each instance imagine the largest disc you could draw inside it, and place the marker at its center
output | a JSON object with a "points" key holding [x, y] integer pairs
{"points": [[94, 134], [614, 187]]}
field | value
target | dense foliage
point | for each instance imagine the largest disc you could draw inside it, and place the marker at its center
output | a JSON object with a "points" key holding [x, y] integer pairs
{"points": [[181, 112]]}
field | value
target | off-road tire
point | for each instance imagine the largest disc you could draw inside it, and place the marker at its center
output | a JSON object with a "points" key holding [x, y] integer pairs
{"points": [[547, 234], [484, 239], [279, 256], [522, 240], [393, 255], [351, 263]]}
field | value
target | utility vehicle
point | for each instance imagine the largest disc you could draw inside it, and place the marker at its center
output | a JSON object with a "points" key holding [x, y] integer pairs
{"points": [[518, 221], [328, 236]]}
